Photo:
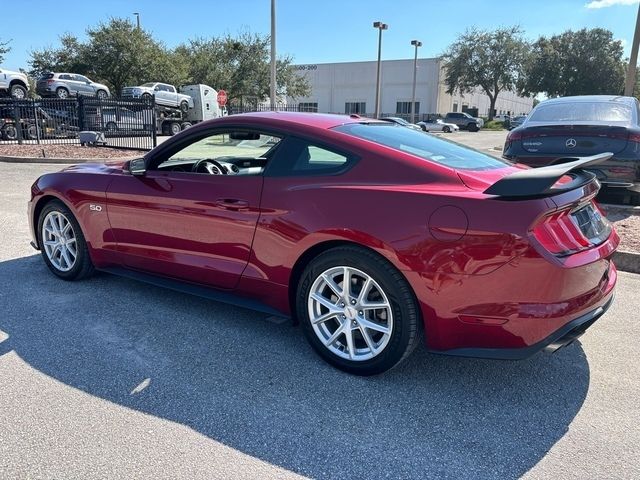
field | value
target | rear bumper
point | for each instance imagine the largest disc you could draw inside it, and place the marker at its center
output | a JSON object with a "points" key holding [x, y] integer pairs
{"points": [[560, 338], [526, 305]]}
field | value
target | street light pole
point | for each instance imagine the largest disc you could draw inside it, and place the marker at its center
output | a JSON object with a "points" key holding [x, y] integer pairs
{"points": [[137, 19], [380, 26], [412, 107], [273, 54], [633, 60]]}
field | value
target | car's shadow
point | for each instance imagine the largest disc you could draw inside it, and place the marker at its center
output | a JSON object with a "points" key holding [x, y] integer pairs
{"points": [[258, 388]]}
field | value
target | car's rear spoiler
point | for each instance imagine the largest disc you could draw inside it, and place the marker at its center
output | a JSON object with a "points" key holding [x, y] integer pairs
{"points": [[538, 181]]}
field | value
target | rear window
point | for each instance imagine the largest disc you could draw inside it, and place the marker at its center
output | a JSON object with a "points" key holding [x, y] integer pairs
{"points": [[46, 76], [423, 145], [583, 112]]}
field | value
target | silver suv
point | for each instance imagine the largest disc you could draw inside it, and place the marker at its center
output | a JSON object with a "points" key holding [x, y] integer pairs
{"points": [[64, 85], [15, 84], [165, 94]]}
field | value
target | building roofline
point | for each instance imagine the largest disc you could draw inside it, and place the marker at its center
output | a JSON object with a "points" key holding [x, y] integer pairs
{"points": [[366, 61]]}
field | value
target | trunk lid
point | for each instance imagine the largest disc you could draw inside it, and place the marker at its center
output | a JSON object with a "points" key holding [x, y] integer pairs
{"points": [[575, 139]]}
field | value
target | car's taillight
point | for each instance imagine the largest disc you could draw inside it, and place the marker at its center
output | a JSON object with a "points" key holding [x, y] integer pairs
{"points": [[634, 137], [571, 231], [50, 81], [514, 135]]}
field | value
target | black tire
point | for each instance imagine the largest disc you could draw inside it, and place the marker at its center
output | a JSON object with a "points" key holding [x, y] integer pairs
{"points": [[185, 125], [101, 94], [473, 127], [62, 92], [146, 96], [184, 106], [446, 129], [83, 267], [111, 127], [33, 131], [406, 329], [18, 91], [9, 132], [174, 128]]}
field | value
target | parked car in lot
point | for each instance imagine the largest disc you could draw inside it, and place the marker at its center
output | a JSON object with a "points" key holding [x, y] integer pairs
{"points": [[14, 84], [402, 122], [561, 129], [165, 94], [64, 85], [368, 233], [464, 121], [503, 118], [517, 121], [438, 125]]}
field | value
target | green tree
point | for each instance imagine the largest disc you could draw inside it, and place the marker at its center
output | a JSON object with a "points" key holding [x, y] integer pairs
{"points": [[490, 59], [583, 62], [68, 57], [240, 65], [4, 49]]}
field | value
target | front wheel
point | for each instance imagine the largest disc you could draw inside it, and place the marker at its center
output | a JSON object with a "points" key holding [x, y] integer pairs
{"points": [[18, 92], [184, 106], [357, 311], [62, 243], [101, 94], [446, 129], [474, 127]]}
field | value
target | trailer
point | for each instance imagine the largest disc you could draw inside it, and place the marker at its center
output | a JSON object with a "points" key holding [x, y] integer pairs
{"points": [[170, 120]]}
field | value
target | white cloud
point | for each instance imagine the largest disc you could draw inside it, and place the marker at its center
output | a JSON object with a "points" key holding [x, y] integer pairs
{"points": [[609, 3]]}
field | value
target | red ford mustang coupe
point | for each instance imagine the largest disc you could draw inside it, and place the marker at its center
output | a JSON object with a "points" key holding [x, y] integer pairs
{"points": [[371, 235]]}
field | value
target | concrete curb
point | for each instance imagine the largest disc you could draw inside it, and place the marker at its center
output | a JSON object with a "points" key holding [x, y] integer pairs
{"points": [[627, 261], [62, 161]]}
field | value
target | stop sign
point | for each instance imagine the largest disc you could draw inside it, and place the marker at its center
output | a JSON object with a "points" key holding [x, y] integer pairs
{"points": [[222, 98]]}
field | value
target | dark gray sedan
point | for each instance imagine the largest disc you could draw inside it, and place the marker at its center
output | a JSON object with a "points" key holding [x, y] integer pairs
{"points": [[561, 129]]}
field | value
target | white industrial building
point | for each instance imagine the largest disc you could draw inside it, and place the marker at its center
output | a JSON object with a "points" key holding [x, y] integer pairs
{"points": [[351, 88]]}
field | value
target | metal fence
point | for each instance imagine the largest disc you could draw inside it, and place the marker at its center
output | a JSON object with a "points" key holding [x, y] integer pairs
{"points": [[119, 123]]}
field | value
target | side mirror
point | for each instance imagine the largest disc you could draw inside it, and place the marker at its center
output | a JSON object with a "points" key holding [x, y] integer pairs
{"points": [[137, 167]]}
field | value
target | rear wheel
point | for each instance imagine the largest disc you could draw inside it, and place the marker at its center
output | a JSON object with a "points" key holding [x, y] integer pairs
{"points": [[32, 132], [446, 129], [111, 127], [357, 311], [184, 106], [62, 243], [101, 94], [62, 92], [185, 125]]}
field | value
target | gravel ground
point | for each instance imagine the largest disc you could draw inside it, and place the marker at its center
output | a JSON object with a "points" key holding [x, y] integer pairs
{"points": [[66, 151], [627, 224], [109, 378]]}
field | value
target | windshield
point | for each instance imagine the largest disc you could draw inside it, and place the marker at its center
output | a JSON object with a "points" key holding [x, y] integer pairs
{"points": [[427, 147], [615, 112], [149, 84]]}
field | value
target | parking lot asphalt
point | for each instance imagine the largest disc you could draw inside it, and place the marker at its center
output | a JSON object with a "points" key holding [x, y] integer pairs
{"points": [[109, 378]]}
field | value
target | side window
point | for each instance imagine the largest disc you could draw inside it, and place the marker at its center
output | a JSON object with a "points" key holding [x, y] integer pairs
{"points": [[65, 77], [297, 157], [227, 153]]}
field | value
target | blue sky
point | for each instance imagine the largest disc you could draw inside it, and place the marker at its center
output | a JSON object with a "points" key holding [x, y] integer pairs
{"points": [[314, 31]]}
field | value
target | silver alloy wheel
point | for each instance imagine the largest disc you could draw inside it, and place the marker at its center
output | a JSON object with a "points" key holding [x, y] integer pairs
{"points": [[350, 313], [62, 93], [18, 94], [59, 241]]}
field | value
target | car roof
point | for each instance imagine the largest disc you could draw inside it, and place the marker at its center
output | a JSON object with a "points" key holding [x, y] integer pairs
{"points": [[318, 120], [590, 98]]}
